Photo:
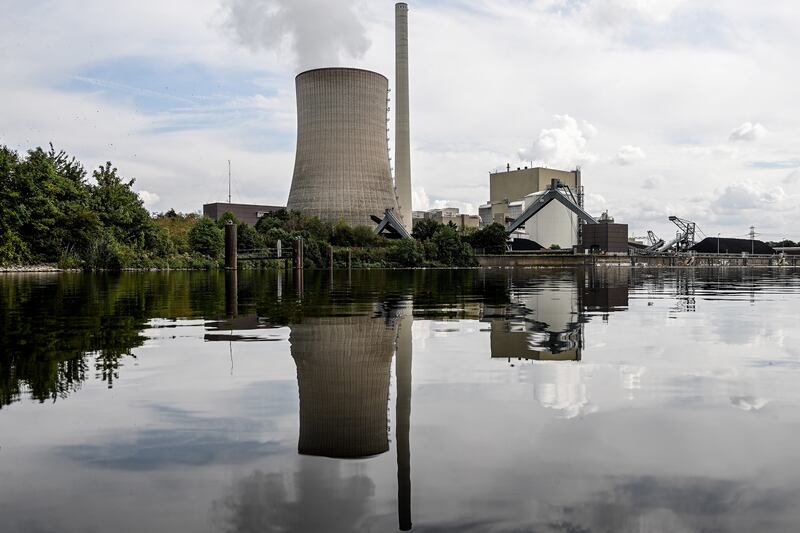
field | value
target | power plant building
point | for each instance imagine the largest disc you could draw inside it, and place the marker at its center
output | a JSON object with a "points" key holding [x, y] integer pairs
{"points": [[342, 169], [514, 185]]}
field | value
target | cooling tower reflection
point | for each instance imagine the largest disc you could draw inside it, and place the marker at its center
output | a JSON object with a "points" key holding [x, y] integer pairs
{"points": [[343, 375]]}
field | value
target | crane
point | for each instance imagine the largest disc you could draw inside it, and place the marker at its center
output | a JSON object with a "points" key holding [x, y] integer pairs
{"points": [[684, 239]]}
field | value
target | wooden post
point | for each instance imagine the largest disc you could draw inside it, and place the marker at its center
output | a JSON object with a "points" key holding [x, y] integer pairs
{"points": [[349, 259], [330, 256], [231, 246]]}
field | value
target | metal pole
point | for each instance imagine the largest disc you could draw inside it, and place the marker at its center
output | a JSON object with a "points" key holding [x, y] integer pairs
{"points": [[231, 244]]}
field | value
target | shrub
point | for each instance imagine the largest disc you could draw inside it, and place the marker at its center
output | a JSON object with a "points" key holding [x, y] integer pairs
{"points": [[206, 238], [406, 253]]}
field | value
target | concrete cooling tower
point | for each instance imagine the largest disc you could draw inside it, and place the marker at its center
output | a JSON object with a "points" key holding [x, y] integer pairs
{"points": [[341, 169]]}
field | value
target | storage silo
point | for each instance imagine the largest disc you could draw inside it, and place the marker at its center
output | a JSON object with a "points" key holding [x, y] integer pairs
{"points": [[342, 169]]}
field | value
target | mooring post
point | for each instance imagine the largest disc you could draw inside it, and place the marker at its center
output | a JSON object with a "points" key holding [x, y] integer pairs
{"points": [[231, 245], [349, 259], [330, 256]]}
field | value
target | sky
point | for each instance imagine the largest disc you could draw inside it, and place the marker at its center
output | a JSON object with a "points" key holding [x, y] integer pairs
{"points": [[670, 107]]}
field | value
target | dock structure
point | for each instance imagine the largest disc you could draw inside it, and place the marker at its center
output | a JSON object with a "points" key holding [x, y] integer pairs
{"points": [[233, 256]]}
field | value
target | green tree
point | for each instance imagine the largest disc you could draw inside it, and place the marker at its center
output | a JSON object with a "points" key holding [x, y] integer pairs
{"points": [[119, 207], [425, 229], [448, 248], [407, 253], [491, 239], [206, 238]]}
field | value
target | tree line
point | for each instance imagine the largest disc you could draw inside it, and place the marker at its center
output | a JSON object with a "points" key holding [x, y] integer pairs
{"points": [[51, 212]]}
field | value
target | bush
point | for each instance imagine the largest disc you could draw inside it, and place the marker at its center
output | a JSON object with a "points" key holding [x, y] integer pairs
{"points": [[248, 238], [406, 253], [206, 238], [447, 248]]}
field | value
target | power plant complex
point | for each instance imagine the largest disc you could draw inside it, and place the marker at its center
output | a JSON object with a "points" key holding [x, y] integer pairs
{"points": [[343, 172]]}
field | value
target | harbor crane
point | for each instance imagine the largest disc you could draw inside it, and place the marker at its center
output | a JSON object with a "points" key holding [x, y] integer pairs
{"points": [[684, 239]]}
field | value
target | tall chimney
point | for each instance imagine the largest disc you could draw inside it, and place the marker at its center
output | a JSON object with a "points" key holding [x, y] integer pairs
{"points": [[402, 147]]}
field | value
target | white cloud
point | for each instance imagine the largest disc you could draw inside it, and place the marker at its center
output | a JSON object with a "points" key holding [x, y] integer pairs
{"points": [[629, 154], [792, 178], [564, 146], [653, 182], [749, 195], [419, 199], [748, 132], [318, 32], [150, 199]]}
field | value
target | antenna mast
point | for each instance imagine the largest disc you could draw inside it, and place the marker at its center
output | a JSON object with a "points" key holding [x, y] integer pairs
{"points": [[229, 181]]}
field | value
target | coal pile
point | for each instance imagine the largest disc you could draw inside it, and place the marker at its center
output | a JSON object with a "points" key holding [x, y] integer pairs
{"points": [[732, 246], [525, 245]]}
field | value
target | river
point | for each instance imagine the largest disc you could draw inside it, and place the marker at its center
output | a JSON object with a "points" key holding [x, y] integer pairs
{"points": [[605, 400]]}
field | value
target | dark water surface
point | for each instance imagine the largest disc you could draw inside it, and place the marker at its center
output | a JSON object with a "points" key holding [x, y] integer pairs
{"points": [[547, 401]]}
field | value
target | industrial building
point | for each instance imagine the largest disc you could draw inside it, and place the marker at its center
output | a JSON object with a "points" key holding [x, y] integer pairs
{"points": [[342, 166], [514, 185], [513, 192], [447, 215], [247, 213]]}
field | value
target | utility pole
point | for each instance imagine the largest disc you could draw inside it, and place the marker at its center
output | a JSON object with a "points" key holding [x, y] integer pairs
{"points": [[752, 239], [229, 181], [718, 234]]}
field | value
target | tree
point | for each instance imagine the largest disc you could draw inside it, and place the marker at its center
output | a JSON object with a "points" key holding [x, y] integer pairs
{"points": [[119, 207], [425, 229], [449, 249], [206, 238], [407, 253], [491, 239]]}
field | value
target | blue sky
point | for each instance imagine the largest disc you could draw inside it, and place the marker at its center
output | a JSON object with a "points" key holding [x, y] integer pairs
{"points": [[670, 106]]}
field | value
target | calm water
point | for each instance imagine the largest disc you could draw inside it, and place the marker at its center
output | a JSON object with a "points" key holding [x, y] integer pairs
{"points": [[546, 401]]}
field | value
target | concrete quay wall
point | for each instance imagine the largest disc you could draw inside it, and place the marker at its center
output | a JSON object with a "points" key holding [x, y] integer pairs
{"points": [[576, 260]]}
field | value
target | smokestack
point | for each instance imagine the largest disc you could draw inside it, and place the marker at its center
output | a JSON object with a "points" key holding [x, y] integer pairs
{"points": [[402, 143]]}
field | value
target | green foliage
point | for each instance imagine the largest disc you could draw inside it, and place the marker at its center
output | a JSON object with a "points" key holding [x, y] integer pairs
{"points": [[407, 253], [491, 239], [248, 238], [447, 248], [226, 217], [425, 229], [555, 247], [207, 239], [177, 226]]}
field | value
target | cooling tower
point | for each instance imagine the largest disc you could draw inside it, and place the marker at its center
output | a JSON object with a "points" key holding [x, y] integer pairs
{"points": [[402, 142], [341, 168]]}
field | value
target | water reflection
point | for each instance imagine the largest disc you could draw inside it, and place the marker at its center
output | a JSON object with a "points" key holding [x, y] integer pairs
{"points": [[691, 390], [343, 375]]}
